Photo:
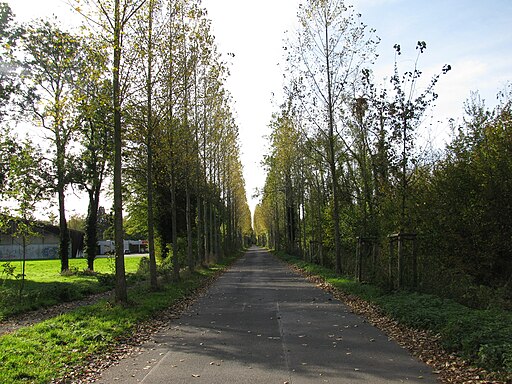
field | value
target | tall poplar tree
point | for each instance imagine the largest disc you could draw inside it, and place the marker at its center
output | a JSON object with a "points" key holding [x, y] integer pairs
{"points": [[112, 18], [325, 61]]}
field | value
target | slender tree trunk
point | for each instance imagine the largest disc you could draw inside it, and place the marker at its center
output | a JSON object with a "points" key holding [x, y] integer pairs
{"points": [[199, 202], [91, 227], [335, 211], [404, 177], [151, 218], [304, 221], [229, 228], [218, 249], [23, 265], [199, 228], [190, 256], [153, 282], [206, 231], [121, 294], [277, 239], [63, 230], [175, 256], [332, 158], [212, 235]]}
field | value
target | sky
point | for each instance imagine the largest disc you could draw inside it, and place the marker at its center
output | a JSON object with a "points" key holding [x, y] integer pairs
{"points": [[473, 36]]}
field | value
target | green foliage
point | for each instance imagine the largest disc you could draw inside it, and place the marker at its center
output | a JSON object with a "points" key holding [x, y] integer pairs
{"points": [[7, 271], [481, 336], [106, 280], [10, 84], [76, 222], [456, 203]]}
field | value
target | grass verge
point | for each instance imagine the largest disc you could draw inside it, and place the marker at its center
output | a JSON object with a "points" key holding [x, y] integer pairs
{"points": [[51, 349], [482, 337], [45, 286]]}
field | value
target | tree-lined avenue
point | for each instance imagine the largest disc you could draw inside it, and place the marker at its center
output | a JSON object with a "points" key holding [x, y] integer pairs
{"points": [[262, 323]]}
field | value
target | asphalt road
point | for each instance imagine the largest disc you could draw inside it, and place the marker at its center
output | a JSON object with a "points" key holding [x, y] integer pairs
{"points": [[262, 323]]}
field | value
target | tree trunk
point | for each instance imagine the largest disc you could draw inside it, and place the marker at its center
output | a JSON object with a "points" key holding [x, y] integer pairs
{"points": [[63, 231], [175, 258], [121, 294], [332, 158], [216, 224], [190, 256], [205, 227], [199, 229], [212, 234], [91, 227], [153, 282], [23, 265]]}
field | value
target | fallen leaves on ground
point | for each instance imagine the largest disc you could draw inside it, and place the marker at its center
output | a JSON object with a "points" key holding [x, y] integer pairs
{"points": [[424, 345], [91, 370]]}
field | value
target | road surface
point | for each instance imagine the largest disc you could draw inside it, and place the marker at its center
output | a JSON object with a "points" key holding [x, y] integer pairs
{"points": [[262, 323]]}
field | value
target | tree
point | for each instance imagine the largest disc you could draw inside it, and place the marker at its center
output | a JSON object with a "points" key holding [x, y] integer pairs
{"points": [[9, 39], [405, 113], [94, 122], [77, 222], [113, 18], [52, 60], [325, 62], [468, 218], [149, 148], [284, 162], [24, 186]]}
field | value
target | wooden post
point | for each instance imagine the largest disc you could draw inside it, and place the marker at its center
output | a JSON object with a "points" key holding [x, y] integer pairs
{"points": [[414, 263], [359, 259], [400, 261], [375, 256], [390, 264]]}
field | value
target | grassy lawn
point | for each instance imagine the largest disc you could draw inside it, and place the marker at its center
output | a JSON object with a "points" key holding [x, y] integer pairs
{"points": [[483, 337], [59, 345], [45, 286]]}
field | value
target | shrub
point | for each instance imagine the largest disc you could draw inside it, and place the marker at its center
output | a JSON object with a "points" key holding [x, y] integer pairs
{"points": [[72, 271], [143, 268], [496, 356], [106, 279]]}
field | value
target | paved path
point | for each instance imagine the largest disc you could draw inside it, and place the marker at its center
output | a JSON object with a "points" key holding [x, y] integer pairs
{"points": [[261, 323]]}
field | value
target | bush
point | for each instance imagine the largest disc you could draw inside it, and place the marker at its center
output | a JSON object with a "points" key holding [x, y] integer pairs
{"points": [[496, 356], [65, 293], [481, 336], [143, 268], [72, 271], [106, 279], [87, 272]]}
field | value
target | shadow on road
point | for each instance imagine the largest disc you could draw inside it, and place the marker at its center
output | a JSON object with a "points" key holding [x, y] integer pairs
{"points": [[261, 323]]}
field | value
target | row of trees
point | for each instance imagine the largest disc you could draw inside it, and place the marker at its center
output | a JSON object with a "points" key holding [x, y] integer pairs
{"points": [[352, 183], [137, 97]]}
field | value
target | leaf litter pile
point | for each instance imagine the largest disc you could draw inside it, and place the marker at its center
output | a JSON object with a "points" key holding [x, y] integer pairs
{"points": [[422, 344]]}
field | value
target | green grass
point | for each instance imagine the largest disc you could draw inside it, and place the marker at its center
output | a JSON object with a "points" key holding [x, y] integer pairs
{"points": [[54, 347], [45, 286], [49, 270], [483, 337]]}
